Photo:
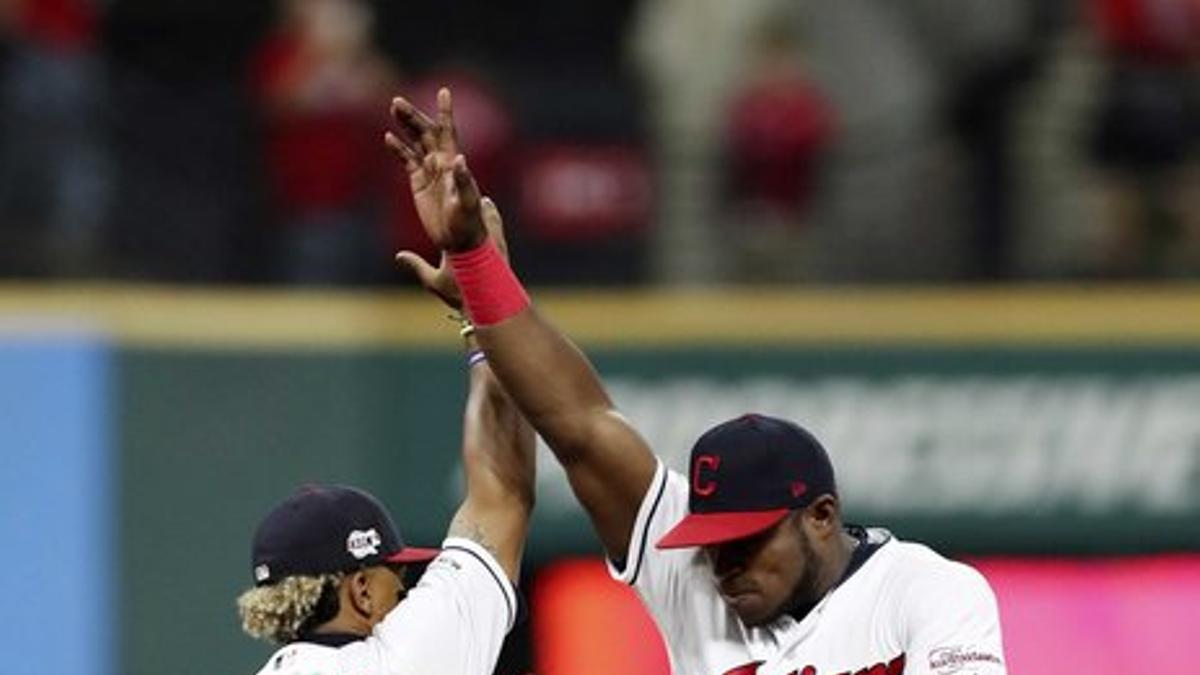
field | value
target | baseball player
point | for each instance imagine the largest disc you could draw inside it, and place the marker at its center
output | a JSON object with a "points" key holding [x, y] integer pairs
{"points": [[328, 565], [744, 563]]}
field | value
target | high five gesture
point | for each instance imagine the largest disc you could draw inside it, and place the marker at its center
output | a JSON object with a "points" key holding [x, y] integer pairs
{"points": [[608, 463]]}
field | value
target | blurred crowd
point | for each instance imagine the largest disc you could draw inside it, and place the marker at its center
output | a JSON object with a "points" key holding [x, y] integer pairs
{"points": [[627, 141]]}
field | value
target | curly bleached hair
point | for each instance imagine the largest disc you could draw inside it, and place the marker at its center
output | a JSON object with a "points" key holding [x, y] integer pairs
{"points": [[282, 611]]}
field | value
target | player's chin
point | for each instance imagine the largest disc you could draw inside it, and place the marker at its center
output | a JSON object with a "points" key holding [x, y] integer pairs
{"points": [[751, 609]]}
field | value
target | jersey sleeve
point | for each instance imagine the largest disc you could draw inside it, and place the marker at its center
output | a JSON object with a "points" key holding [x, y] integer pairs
{"points": [[664, 580], [664, 504], [952, 625], [453, 621]]}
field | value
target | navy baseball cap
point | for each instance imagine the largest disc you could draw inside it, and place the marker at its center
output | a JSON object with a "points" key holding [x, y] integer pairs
{"points": [[746, 475], [322, 529]]}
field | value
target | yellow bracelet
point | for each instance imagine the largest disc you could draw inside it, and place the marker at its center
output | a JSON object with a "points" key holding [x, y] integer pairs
{"points": [[465, 328]]}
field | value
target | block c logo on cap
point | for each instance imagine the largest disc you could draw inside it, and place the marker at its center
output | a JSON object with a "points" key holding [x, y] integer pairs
{"points": [[361, 543], [710, 462]]}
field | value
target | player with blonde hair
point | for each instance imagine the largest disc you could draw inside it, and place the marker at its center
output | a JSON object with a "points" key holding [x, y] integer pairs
{"points": [[328, 563]]}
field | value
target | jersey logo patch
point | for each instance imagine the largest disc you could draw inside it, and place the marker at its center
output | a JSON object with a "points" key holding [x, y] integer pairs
{"points": [[947, 660], [361, 543]]}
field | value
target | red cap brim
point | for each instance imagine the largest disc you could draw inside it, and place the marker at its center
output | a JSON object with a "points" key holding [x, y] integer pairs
{"points": [[412, 554], [702, 529]]}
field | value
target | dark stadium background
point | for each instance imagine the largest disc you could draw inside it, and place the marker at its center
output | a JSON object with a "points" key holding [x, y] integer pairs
{"points": [[960, 240]]}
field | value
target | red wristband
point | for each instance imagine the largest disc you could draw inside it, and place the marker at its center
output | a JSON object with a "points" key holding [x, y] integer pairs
{"points": [[491, 292]]}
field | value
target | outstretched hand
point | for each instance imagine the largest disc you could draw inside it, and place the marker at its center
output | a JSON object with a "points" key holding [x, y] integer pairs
{"points": [[446, 196], [440, 280]]}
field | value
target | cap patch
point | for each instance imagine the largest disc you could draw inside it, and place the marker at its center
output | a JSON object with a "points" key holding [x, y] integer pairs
{"points": [[262, 573], [700, 485], [362, 543]]}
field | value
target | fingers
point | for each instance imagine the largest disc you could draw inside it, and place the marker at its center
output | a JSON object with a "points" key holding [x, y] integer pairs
{"points": [[428, 276], [494, 224], [410, 117], [432, 278], [491, 214], [416, 127], [412, 160], [423, 271], [415, 124], [464, 184], [447, 132]]}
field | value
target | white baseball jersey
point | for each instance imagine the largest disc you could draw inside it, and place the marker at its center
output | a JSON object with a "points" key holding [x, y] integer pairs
{"points": [[452, 622], [905, 610]]}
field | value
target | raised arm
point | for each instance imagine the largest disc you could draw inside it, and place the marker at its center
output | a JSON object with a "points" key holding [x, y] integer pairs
{"points": [[498, 459], [498, 444], [608, 464]]}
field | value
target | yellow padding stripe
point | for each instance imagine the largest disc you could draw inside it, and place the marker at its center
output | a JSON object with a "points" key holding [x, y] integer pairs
{"points": [[249, 318]]}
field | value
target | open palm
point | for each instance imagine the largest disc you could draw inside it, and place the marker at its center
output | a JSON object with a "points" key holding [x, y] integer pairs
{"points": [[449, 206], [444, 192]]}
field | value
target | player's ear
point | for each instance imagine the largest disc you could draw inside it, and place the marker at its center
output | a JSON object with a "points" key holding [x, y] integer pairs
{"points": [[358, 587], [823, 516]]}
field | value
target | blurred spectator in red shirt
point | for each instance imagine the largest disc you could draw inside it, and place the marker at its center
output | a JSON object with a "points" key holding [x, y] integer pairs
{"points": [[323, 89], [778, 127], [1146, 132], [59, 25], [54, 175], [1151, 31]]}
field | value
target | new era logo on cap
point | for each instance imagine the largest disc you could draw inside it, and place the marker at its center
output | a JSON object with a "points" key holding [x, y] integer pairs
{"points": [[746, 475]]}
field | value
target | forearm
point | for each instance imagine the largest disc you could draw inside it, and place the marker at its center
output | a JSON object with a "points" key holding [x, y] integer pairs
{"points": [[608, 464], [498, 461], [498, 444], [549, 378]]}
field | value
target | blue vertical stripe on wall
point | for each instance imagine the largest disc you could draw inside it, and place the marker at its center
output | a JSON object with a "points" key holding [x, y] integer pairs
{"points": [[57, 527]]}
